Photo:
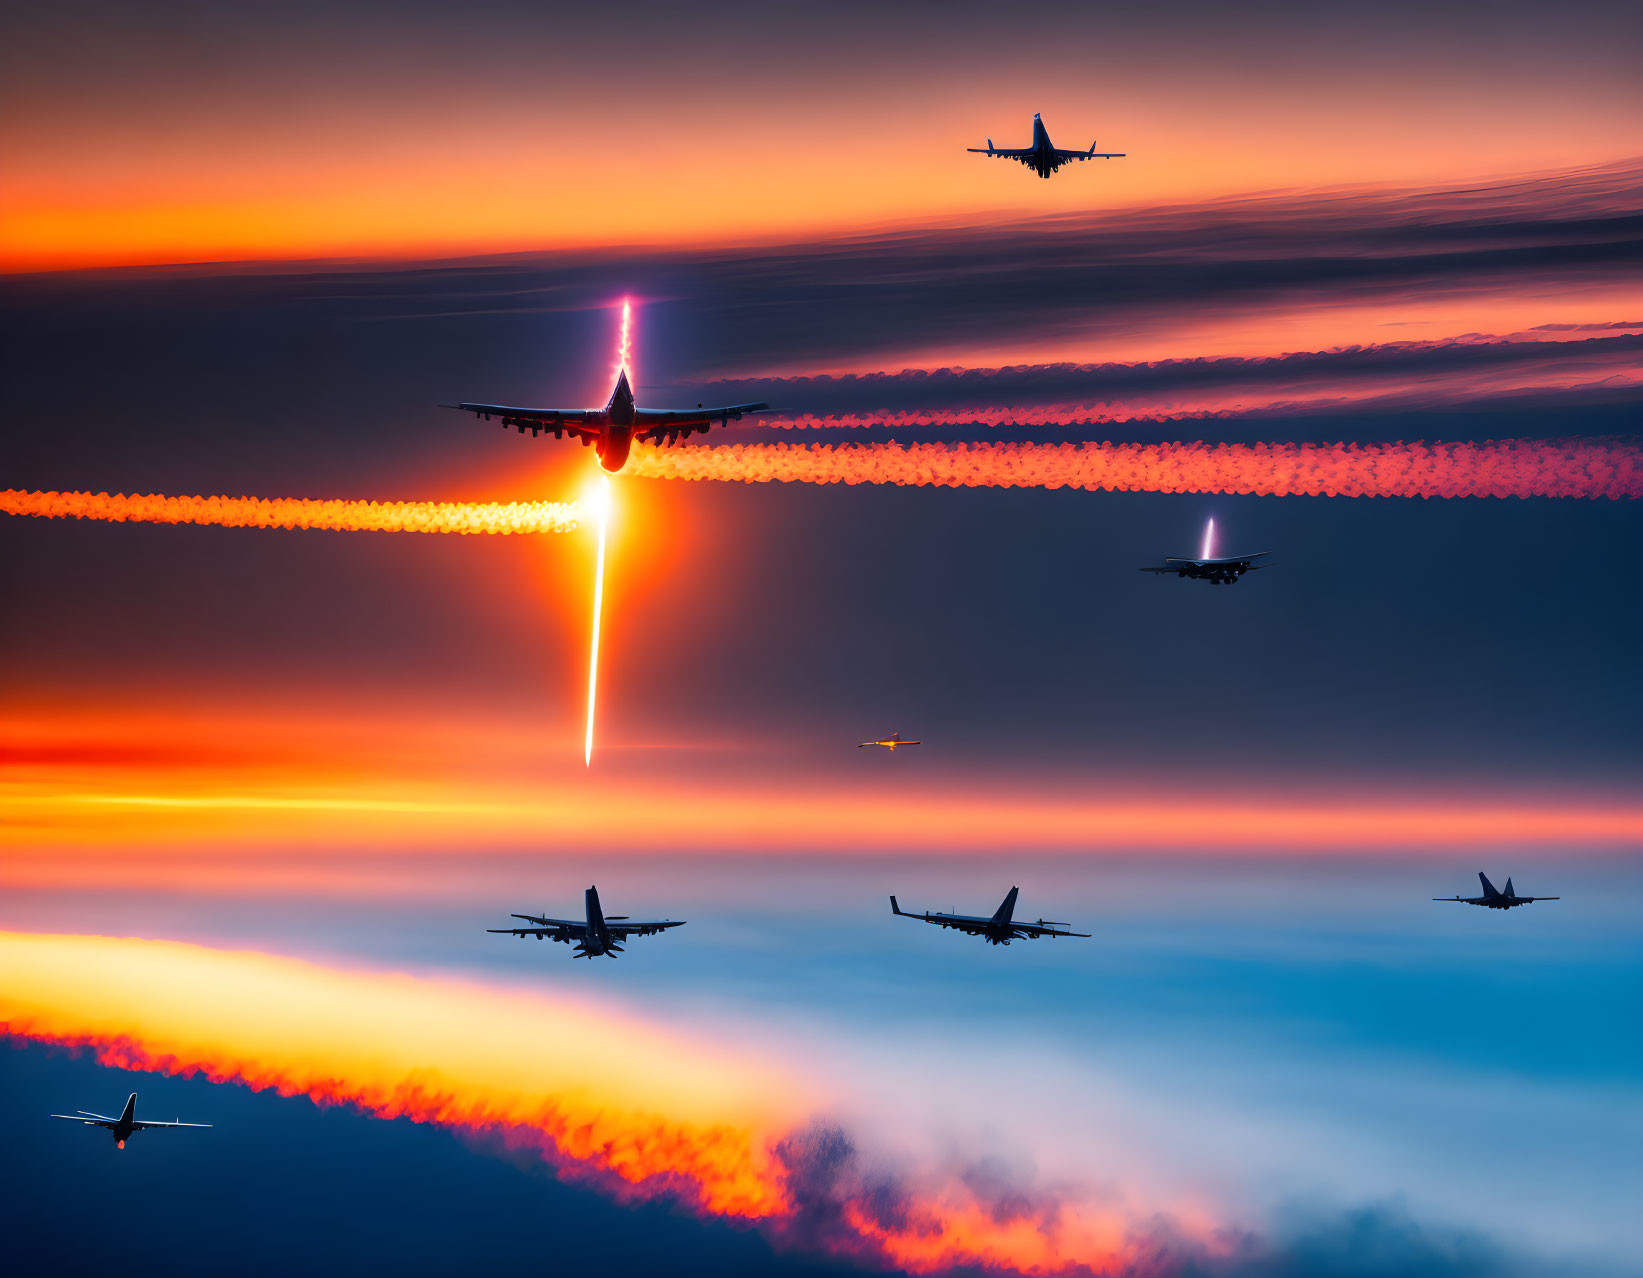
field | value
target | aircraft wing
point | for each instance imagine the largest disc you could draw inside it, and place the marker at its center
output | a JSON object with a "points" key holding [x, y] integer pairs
{"points": [[622, 930], [90, 1121], [1045, 929], [142, 1125], [1464, 900], [1003, 152], [547, 927], [655, 424], [1064, 156], [571, 421]]}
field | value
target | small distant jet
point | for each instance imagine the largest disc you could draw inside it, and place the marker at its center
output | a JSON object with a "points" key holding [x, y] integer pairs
{"points": [[1000, 929], [597, 935], [613, 428], [890, 743], [1042, 155], [122, 1127], [1494, 899], [1222, 572]]}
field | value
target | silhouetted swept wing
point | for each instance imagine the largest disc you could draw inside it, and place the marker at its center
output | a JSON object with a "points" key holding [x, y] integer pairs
{"points": [[623, 930], [666, 425], [548, 927], [577, 422]]}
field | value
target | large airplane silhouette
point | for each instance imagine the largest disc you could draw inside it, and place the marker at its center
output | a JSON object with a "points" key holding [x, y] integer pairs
{"points": [[1042, 156], [595, 935], [612, 429], [122, 1127], [999, 929]]}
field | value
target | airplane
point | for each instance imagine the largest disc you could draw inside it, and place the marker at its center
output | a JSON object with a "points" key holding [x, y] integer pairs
{"points": [[598, 935], [1000, 929], [890, 742], [122, 1127], [1224, 571], [1494, 899], [1042, 154], [613, 428]]}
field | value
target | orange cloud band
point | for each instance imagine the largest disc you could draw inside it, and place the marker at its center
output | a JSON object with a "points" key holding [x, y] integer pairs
{"points": [[298, 512], [1500, 468], [638, 1111]]}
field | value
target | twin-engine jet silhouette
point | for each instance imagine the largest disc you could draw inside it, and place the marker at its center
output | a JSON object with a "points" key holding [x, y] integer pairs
{"points": [[1495, 899], [1042, 155], [1000, 929], [122, 1127], [595, 935], [612, 429], [1222, 572], [890, 743]]}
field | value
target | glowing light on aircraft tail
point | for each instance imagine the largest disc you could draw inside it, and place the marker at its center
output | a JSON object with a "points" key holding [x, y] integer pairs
{"points": [[1208, 551], [500, 518], [1589, 468], [624, 343], [602, 504]]}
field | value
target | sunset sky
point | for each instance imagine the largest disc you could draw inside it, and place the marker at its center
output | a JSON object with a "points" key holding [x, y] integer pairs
{"points": [[266, 785]]}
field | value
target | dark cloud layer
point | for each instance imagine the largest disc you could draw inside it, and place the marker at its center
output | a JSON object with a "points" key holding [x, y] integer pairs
{"points": [[743, 310]]}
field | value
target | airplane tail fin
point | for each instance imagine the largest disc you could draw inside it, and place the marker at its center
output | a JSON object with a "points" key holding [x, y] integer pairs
{"points": [[595, 917], [1488, 887], [989, 146], [894, 908], [130, 1109], [1007, 911], [1509, 891]]}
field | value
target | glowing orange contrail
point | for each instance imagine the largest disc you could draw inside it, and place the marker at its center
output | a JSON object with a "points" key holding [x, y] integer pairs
{"points": [[602, 505], [1589, 468], [297, 512]]}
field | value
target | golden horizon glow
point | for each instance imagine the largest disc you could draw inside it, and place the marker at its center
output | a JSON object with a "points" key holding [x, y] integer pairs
{"points": [[94, 783]]}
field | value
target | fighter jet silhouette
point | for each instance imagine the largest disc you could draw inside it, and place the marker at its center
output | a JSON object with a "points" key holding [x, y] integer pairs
{"points": [[1496, 900], [1042, 155]]}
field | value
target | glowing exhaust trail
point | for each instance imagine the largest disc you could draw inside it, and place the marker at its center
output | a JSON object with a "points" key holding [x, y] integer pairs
{"points": [[1576, 467], [498, 518], [1208, 552], [602, 503]]}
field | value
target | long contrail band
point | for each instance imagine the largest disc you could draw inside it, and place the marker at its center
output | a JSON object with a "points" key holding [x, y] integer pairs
{"points": [[297, 512], [1589, 468]]}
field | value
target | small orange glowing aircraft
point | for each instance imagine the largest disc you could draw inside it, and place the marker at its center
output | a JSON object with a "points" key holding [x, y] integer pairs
{"points": [[889, 743], [613, 428]]}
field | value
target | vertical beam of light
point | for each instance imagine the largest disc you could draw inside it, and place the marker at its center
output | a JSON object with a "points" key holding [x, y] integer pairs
{"points": [[602, 503], [1208, 551], [624, 360], [624, 344]]}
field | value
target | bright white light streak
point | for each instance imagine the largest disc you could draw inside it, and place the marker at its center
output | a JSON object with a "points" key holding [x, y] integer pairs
{"points": [[1208, 551], [602, 503]]}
